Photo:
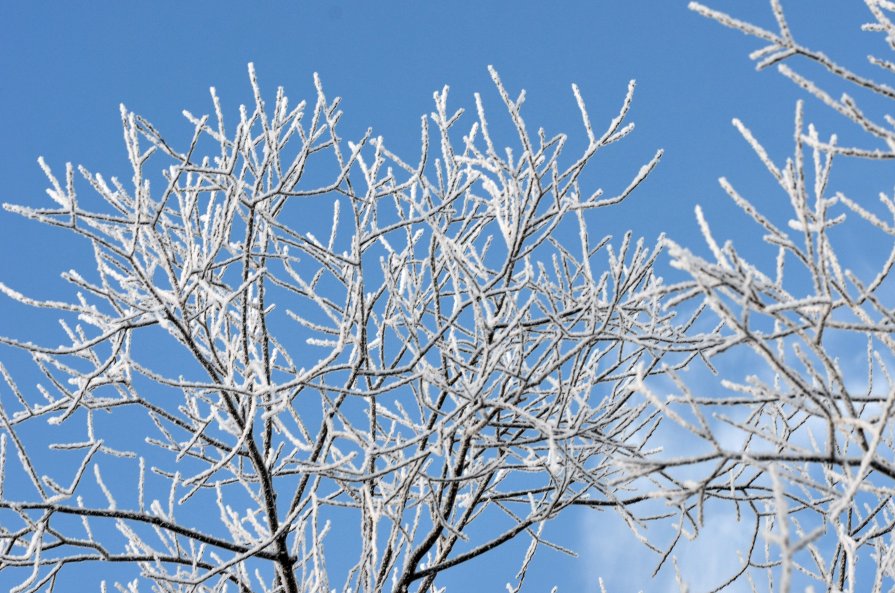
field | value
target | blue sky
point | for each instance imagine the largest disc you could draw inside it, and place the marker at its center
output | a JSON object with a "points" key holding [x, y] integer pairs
{"points": [[65, 67]]}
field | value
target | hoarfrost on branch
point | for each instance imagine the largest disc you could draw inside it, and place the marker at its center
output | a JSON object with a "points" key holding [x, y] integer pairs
{"points": [[421, 361]]}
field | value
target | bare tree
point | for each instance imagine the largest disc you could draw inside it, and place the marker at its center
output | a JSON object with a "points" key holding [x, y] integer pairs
{"points": [[800, 431], [453, 360], [427, 357]]}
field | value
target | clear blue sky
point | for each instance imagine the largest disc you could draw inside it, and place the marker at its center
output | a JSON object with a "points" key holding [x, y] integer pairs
{"points": [[65, 67]]}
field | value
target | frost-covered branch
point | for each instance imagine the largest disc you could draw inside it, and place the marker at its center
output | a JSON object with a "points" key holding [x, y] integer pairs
{"points": [[800, 419], [303, 334]]}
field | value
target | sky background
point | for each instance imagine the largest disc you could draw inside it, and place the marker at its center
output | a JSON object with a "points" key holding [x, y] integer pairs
{"points": [[65, 67]]}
